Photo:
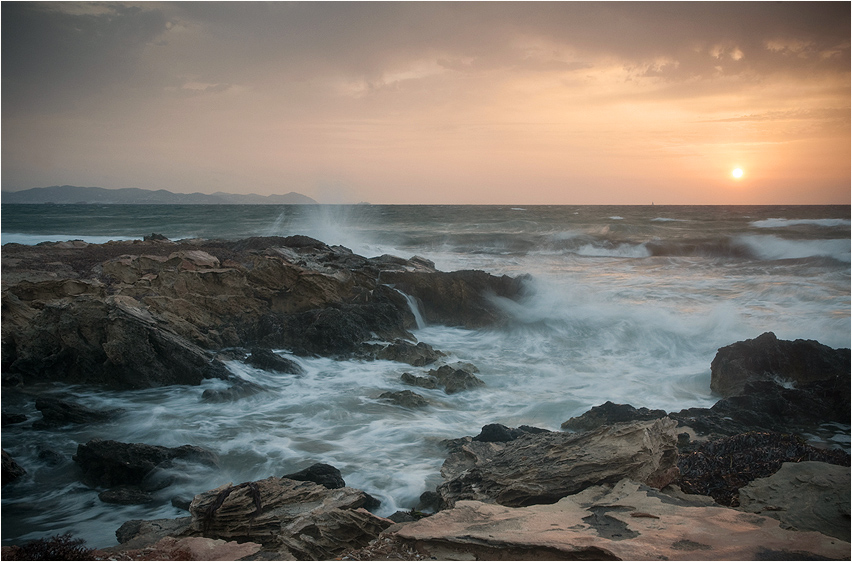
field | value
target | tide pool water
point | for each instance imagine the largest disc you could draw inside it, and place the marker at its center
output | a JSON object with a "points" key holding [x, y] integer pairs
{"points": [[627, 304]]}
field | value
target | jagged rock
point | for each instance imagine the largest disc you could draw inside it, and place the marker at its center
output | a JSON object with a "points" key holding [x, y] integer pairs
{"points": [[455, 380], [459, 298], [609, 413], [544, 467], [111, 463], [720, 468], [405, 398], [319, 473], [768, 358], [804, 496], [422, 382], [301, 519], [11, 469], [416, 355], [624, 521], [270, 361], [56, 412], [111, 343], [125, 495]]}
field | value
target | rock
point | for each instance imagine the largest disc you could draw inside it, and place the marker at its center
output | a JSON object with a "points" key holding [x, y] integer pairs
{"points": [[11, 469], [422, 382], [803, 496], [609, 413], [404, 352], [11, 419], [240, 389], [768, 358], [154, 236], [138, 533], [125, 495], [319, 473], [299, 519], [267, 360], [720, 468], [621, 521], [455, 380], [460, 298], [111, 463], [405, 398], [497, 433], [56, 412], [110, 343], [191, 548], [541, 468]]}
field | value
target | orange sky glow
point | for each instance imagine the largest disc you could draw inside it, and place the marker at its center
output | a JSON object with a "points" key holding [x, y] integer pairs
{"points": [[433, 103]]}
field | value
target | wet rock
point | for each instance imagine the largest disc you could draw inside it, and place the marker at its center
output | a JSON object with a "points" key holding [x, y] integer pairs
{"points": [[125, 495], [111, 343], [455, 380], [139, 533], [299, 519], [267, 360], [111, 463], [497, 433], [541, 468], [417, 355], [609, 413], [155, 236], [620, 521], [422, 382], [320, 473], [11, 469], [238, 390], [56, 412], [768, 358], [405, 398], [804, 496], [720, 468], [13, 418], [459, 298]]}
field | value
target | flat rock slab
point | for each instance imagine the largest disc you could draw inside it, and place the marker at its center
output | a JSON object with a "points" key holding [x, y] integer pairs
{"points": [[627, 521], [806, 496]]}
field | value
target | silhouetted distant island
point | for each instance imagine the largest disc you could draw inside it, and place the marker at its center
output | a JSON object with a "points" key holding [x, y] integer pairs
{"points": [[70, 194]]}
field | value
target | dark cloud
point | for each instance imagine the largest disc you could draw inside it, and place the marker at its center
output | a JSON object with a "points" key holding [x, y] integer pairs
{"points": [[52, 57]]}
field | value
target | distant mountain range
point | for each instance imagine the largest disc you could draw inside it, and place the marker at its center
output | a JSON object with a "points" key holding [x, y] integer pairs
{"points": [[69, 194]]}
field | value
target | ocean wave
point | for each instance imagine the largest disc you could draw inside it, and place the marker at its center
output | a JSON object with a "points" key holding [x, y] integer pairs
{"points": [[782, 223], [775, 248], [664, 219]]}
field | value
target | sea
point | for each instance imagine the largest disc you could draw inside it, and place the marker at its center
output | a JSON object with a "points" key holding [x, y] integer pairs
{"points": [[627, 304]]}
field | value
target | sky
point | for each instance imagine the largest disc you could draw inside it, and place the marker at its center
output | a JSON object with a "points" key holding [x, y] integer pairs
{"points": [[433, 103]]}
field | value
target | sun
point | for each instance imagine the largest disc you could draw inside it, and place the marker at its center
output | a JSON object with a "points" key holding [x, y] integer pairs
{"points": [[737, 173]]}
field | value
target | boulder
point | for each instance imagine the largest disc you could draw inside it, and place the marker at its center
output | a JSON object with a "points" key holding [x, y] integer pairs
{"points": [[423, 382], [268, 360], [541, 468], [11, 469], [56, 412], [138, 533], [126, 495], [319, 473], [498, 433], [111, 463], [804, 496], [720, 468], [609, 413], [455, 380], [417, 355], [111, 343], [620, 521], [12, 418], [459, 298], [768, 358], [299, 519], [405, 398]]}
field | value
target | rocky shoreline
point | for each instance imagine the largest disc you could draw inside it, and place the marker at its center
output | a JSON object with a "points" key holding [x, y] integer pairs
{"points": [[616, 483]]}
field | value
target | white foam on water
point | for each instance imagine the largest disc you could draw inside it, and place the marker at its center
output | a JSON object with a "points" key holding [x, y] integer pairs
{"points": [[781, 223], [774, 248]]}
